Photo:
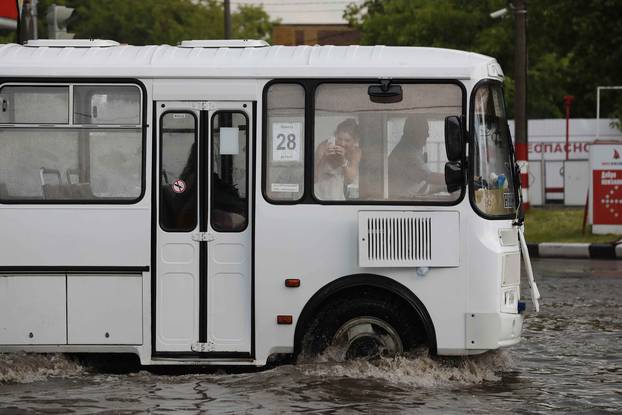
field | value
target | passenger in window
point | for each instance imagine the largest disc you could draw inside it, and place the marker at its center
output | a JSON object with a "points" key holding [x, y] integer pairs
{"points": [[409, 174], [337, 162]]}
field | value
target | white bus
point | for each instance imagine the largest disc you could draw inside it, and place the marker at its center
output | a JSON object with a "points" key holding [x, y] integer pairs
{"points": [[220, 202]]}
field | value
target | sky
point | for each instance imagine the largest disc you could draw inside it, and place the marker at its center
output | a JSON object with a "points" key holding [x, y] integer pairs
{"points": [[302, 11]]}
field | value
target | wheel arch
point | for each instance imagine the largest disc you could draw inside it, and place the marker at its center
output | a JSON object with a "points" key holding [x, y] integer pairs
{"points": [[343, 286]]}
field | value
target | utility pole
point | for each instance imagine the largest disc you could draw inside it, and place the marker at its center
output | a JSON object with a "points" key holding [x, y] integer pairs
{"points": [[520, 97], [28, 21], [227, 19]]}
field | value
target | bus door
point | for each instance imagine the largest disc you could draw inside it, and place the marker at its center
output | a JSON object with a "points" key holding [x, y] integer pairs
{"points": [[203, 231]]}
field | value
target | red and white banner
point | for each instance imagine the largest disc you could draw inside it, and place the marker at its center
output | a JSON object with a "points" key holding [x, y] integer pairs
{"points": [[606, 167]]}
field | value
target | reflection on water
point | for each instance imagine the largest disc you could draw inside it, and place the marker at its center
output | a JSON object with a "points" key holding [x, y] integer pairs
{"points": [[570, 361]]}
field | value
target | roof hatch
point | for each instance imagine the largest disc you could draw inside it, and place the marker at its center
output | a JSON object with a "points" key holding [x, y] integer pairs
{"points": [[224, 43], [71, 43]]}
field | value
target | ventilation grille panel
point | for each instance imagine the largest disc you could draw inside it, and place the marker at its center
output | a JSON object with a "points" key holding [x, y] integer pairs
{"points": [[408, 239], [399, 239]]}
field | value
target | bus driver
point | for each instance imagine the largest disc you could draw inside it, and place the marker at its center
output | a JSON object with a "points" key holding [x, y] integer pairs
{"points": [[409, 174]]}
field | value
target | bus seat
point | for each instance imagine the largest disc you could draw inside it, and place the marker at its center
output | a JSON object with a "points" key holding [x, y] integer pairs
{"points": [[80, 191], [51, 190], [72, 175], [45, 172], [77, 189]]}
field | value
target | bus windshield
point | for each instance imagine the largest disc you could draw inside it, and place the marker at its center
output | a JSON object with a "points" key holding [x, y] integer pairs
{"points": [[493, 185]]}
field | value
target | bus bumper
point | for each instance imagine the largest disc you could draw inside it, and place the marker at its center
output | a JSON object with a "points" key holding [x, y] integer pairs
{"points": [[488, 331]]}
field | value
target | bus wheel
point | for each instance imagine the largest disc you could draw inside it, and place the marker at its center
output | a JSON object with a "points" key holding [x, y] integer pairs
{"points": [[360, 328]]}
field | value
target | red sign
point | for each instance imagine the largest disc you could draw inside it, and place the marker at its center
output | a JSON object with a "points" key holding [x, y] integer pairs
{"points": [[179, 186], [607, 197], [606, 167], [8, 9]]}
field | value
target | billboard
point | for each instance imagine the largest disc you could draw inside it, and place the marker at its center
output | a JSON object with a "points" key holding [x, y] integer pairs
{"points": [[9, 14], [549, 181], [606, 168]]}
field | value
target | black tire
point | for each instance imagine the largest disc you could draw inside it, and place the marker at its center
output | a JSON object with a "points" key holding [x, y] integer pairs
{"points": [[389, 314]]}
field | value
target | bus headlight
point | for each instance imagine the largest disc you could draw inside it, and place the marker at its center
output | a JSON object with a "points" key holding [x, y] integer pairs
{"points": [[509, 299]]}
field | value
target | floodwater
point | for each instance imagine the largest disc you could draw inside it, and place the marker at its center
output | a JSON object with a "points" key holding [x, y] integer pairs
{"points": [[570, 361]]}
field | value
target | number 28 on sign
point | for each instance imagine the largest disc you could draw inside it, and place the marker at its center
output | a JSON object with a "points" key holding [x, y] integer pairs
{"points": [[286, 141]]}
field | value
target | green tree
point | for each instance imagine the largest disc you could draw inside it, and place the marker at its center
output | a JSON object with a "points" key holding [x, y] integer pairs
{"points": [[573, 45], [7, 36], [252, 22], [158, 22]]}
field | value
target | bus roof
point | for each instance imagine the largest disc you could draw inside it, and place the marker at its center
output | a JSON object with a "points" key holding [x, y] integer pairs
{"points": [[166, 61]]}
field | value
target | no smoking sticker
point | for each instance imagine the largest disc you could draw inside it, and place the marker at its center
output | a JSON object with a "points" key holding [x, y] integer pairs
{"points": [[179, 186]]}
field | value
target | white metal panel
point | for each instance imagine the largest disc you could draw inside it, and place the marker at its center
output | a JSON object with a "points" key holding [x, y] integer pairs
{"points": [[177, 318], [511, 269], [71, 43], [409, 239], [485, 265], [229, 269], [267, 62], [316, 243], [554, 180], [229, 321], [223, 43], [482, 330], [508, 237], [104, 309], [536, 183], [32, 309], [194, 89], [177, 256], [576, 182], [77, 235]]}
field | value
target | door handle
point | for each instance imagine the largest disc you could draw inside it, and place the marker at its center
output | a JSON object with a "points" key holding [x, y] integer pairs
{"points": [[203, 237]]}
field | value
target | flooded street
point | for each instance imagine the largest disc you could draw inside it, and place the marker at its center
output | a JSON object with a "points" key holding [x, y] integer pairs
{"points": [[570, 361]]}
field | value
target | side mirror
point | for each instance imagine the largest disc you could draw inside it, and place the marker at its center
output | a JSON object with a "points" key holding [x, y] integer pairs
{"points": [[518, 200], [454, 176], [454, 138]]}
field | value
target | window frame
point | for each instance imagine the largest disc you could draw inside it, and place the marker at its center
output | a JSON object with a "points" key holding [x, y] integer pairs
{"points": [[471, 156], [47, 124], [310, 86], [265, 138], [160, 169], [70, 82], [211, 172]]}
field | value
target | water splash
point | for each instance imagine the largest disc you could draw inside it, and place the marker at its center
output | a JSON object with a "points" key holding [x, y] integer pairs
{"points": [[31, 367], [418, 369]]}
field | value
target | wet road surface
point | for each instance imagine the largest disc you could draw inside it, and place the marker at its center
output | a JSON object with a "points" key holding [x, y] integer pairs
{"points": [[570, 361]]}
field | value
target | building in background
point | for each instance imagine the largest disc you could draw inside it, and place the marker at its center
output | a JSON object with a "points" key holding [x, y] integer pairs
{"points": [[315, 34], [304, 22], [552, 178]]}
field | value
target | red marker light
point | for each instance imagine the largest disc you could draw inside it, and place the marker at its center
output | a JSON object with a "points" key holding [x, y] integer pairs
{"points": [[284, 319], [292, 282]]}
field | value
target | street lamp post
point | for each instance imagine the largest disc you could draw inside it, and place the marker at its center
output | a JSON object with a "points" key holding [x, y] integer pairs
{"points": [[520, 97], [227, 10]]}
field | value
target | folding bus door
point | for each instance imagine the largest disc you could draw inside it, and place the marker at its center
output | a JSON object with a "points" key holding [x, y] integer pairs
{"points": [[203, 232]]}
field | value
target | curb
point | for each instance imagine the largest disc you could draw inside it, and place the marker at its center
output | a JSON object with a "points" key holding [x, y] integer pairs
{"points": [[575, 250]]}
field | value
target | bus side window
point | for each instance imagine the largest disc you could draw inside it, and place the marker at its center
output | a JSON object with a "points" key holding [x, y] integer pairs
{"points": [[285, 143], [21, 104], [106, 105]]}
